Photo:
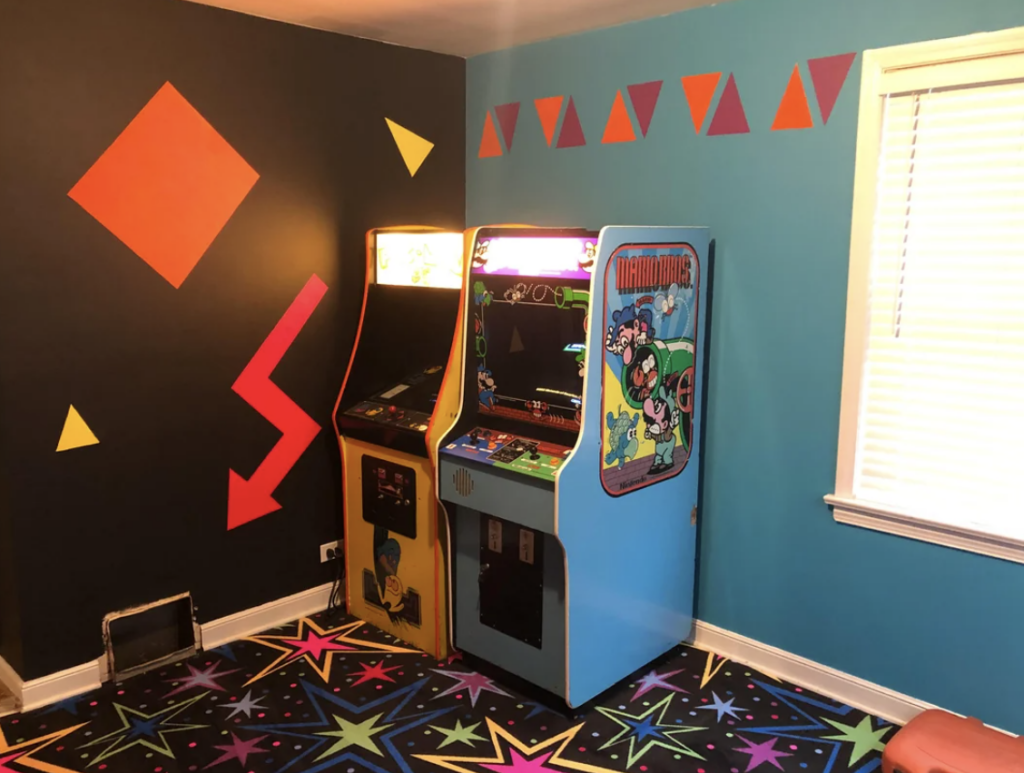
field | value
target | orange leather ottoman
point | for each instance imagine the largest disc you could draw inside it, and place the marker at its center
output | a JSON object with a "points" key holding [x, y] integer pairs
{"points": [[939, 742]]}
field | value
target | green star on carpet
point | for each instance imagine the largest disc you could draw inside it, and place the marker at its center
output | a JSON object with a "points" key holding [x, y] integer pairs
{"points": [[645, 731], [147, 730], [459, 734], [864, 737], [351, 734]]}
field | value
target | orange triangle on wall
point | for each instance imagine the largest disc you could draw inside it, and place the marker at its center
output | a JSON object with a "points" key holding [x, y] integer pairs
{"points": [[700, 90], [490, 146], [619, 127], [548, 110], [794, 112]]}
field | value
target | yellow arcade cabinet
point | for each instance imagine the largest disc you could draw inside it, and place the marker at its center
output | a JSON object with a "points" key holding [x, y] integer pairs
{"points": [[396, 387]]}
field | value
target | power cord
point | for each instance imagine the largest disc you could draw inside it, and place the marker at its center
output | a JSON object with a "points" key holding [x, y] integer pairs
{"points": [[336, 603]]}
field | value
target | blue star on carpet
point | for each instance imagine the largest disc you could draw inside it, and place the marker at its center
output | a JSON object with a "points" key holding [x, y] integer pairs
{"points": [[226, 651], [147, 730], [538, 708], [724, 708], [811, 729], [646, 731], [355, 733], [70, 705]]}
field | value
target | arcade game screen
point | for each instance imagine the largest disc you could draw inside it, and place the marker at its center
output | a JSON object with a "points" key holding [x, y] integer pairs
{"points": [[530, 303], [429, 259]]}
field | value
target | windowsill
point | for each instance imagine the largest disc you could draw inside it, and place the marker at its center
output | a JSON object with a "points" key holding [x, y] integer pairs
{"points": [[855, 513]]}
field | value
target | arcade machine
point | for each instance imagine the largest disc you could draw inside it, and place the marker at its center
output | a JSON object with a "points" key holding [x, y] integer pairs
{"points": [[570, 477], [394, 391]]}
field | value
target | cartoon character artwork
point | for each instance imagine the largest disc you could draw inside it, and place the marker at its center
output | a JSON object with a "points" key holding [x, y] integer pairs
{"points": [[387, 554], [665, 303], [629, 329], [481, 295], [648, 370], [480, 254], [516, 293], [643, 377], [485, 385], [538, 408], [661, 419], [589, 257], [622, 442]]}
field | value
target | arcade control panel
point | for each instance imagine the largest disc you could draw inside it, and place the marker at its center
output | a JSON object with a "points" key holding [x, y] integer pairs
{"points": [[407, 405], [509, 452], [382, 413]]}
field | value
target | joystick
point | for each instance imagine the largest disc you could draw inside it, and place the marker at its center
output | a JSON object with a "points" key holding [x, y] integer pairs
{"points": [[474, 437], [534, 456]]}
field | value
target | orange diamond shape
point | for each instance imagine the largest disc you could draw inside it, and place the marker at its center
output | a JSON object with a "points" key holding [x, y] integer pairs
{"points": [[167, 185]]}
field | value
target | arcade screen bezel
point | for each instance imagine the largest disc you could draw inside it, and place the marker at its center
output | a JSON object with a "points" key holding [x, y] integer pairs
{"points": [[474, 416]]}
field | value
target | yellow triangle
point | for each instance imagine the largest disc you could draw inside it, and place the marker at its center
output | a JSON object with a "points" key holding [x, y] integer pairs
{"points": [[76, 432], [709, 672], [413, 147]]}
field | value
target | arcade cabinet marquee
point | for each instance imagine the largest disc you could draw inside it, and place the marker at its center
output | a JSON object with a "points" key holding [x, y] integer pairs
{"points": [[569, 477], [394, 391]]}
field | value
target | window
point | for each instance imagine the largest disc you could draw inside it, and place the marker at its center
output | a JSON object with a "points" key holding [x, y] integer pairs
{"points": [[931, 437]]}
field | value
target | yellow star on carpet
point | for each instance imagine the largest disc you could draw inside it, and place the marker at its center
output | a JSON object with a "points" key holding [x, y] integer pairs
{"points": [[318, 646], [711, 670], [515, 755], [24, 753]]}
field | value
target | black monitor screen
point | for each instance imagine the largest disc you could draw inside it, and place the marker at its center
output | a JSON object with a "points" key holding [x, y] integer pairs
{"points": [[529, 337]]}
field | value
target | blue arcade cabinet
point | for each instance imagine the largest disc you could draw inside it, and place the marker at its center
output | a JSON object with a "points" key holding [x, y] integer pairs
{"points": [[570, 477]]}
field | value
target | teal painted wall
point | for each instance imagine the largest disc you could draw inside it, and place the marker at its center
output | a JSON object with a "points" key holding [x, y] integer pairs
{"points": [[941, 625]]}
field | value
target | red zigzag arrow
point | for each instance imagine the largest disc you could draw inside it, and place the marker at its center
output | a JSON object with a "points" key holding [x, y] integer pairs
{"points": [[252, 499]]}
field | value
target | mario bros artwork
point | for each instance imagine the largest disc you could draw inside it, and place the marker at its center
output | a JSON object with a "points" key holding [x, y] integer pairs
{"points": [[650, 321]]}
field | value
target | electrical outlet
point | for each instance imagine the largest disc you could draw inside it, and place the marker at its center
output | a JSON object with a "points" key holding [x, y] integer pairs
{"points": [[335, 546]]}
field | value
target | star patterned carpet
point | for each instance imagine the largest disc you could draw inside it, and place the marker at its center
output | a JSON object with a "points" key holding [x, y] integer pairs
{"points": [[342, 696]]}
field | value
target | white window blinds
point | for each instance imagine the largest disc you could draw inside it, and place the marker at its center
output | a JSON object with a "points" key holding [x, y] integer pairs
{"points": [[940, 430]]}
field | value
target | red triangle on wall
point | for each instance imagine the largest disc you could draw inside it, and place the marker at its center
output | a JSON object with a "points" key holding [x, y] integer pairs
{"points": [[828, 74], [644, 97], [508, 117], [730, 117], [489, 144], [619, 127], [793, 112], [571, 135]]}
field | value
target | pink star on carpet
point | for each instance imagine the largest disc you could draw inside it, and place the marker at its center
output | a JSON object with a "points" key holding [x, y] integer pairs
{"points": [[373, 672], [654, 680], [519, 764], [5, 760], [314, 645], [761, 753], [207, 678], [238, 750], [473, 682]]}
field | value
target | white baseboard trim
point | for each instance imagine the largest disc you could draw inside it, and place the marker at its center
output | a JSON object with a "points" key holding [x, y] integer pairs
{"points": [[854, 691], [275, 613], [851, 690], [87, 677]]}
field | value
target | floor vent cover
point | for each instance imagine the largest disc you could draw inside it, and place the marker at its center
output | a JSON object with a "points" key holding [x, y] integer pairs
{"points": [[149, 636]]}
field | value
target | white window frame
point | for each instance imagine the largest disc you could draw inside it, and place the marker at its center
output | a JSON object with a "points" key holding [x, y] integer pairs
{"points": [[976, 58]]}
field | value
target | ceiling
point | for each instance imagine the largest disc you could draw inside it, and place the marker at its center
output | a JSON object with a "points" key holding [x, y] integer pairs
{"points": [[460, 27]]}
